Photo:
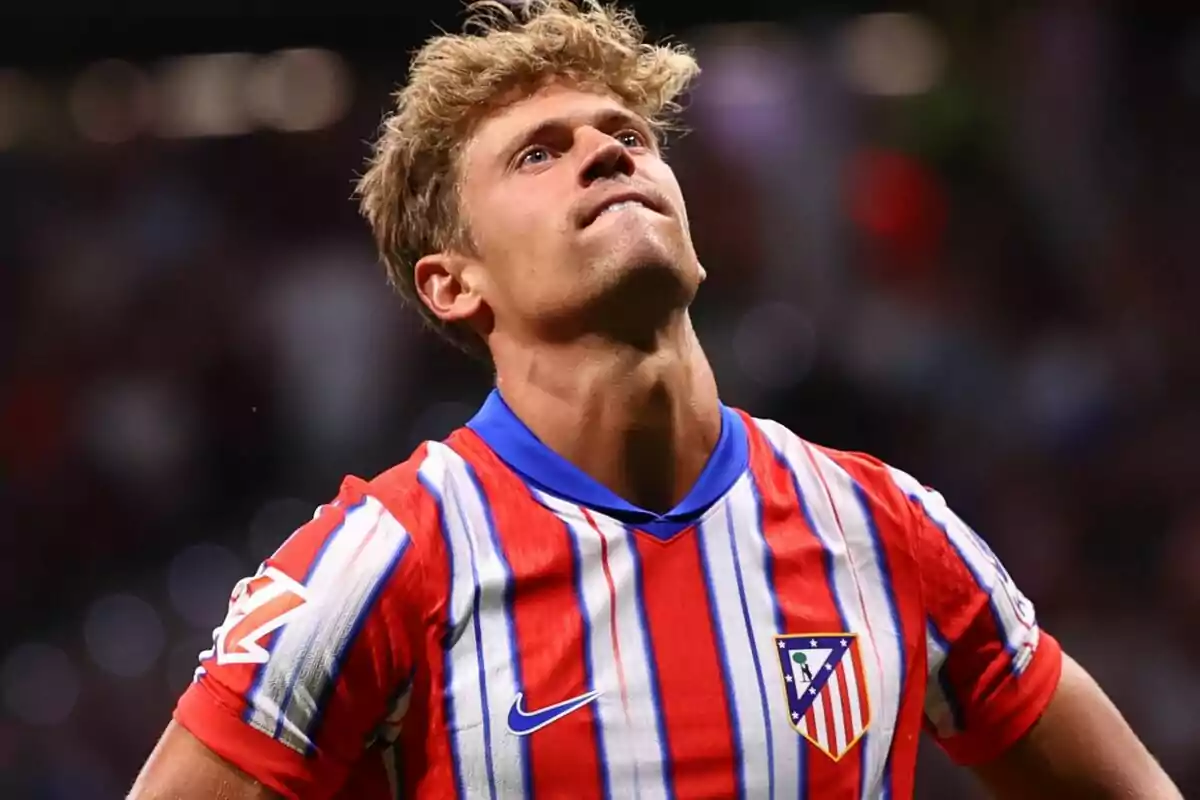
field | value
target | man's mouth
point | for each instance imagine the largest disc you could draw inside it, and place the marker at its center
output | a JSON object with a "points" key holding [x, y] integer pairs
{"points": [[622, 202], [619, 205]]}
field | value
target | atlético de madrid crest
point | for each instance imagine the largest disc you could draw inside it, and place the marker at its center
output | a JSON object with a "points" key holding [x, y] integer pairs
{"points": [[826, 689]]}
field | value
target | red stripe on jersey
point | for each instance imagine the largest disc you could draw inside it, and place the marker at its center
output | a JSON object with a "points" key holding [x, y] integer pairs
{"points": [[803, 587], [424, 745], [810, 721], [844, 709], [893, 518], [549, 628], [693, 698]]}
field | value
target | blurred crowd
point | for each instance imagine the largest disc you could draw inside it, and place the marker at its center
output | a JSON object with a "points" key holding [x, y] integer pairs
{"points": [[966, 245]]}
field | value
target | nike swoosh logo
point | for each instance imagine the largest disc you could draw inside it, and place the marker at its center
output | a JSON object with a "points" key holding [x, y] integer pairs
{"points": [[523, 723]]}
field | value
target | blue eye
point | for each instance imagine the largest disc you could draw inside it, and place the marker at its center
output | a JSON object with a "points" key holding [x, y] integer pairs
{"points": [[534, 155]]}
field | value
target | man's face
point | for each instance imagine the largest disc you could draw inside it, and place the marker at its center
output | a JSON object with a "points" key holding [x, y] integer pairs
{"points": [[574, 216]]}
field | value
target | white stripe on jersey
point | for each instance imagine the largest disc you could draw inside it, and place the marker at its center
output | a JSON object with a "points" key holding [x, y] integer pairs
{"points": [[818, 709], [629, 732], [733, 548], [1012, 610], [858, 586], [464, 695], [309, 651], [482, 681]]}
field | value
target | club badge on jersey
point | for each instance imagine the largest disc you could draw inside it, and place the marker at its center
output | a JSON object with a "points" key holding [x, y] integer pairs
{"points": [[826, 689]]}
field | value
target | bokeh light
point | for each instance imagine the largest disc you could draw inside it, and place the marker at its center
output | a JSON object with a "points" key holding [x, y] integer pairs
{"points": [[204, 95], [300, 89], [111, 101], [892, 54]]}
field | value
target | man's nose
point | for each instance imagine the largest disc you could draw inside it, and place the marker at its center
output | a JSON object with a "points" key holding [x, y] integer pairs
{"points": [[606, 157]]}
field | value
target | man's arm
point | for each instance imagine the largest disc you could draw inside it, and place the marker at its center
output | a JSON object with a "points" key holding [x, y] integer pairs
{"points": [[1081, 747], [181, 767]]}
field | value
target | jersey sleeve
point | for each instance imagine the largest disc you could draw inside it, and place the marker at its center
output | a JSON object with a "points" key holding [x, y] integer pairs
{"points": [[315, 651], [991, 670]]}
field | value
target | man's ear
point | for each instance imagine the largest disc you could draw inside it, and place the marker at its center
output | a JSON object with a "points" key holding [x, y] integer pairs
{"points": [[446, 285]]}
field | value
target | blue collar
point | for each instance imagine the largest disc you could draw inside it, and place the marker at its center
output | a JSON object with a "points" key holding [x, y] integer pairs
{"points": [[540, 466]]}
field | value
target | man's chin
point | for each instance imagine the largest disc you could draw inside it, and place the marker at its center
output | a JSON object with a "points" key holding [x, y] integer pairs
{"points": [[650, 249], [642, 296]]}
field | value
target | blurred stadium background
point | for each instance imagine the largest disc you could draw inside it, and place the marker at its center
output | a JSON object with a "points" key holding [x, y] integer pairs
{"points": [[963, 237]]}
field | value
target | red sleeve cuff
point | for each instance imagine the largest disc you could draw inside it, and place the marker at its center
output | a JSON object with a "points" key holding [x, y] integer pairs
{"points": [[1026, 701], [271, 763]]}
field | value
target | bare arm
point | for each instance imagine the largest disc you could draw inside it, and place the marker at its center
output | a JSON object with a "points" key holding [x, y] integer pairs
{"points": [[182, 768], [1080, 748]]}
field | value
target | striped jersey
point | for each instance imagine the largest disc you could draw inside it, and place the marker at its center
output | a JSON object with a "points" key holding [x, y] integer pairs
{"points": [[486, 621]]}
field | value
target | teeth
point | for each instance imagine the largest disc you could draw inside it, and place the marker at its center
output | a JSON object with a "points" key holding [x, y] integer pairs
{"points": [[620, 205]]}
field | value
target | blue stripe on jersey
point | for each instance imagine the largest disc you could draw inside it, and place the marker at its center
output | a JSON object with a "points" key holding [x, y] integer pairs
{"points": [[769, 572], [956, 712], [509, 620], [340, 658], [758, 672], [975, 576], [889, 589], [651, 665], [588, 671], [260, 670], [726, 672], [447, 659]]}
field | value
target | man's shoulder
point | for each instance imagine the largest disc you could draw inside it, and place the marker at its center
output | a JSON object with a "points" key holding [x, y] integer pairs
{"points": [[411, 490], [861, 464], [875, 482]]}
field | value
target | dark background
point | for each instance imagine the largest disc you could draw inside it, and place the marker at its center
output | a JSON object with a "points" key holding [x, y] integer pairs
{"points": [[962, 237]]}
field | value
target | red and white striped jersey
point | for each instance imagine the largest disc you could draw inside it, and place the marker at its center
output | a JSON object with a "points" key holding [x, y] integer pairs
{"points": [[486, 621]]}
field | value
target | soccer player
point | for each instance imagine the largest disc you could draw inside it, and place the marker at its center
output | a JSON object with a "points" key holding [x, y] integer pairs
{"points": [[608, 584]]}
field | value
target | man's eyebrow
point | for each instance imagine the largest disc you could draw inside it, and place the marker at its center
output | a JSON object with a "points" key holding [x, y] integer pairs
{"points": [[604, 120]]}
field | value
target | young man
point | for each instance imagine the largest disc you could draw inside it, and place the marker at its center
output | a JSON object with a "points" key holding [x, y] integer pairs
{"points": [[609, 584]]}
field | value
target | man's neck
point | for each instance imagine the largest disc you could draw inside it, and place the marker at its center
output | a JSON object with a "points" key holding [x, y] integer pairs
{"points": [[642, 423]]}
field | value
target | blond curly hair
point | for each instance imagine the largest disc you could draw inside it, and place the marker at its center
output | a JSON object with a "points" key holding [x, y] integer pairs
{"points": [[409, 192]]}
